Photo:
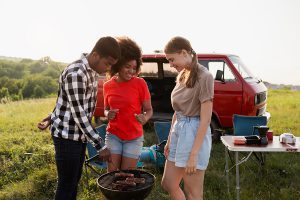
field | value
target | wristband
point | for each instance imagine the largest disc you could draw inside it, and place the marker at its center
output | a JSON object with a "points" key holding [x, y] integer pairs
{"points": [[102, 148]]}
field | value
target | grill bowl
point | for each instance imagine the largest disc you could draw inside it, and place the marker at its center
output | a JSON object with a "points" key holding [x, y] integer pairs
{"points": [[136, 193]]}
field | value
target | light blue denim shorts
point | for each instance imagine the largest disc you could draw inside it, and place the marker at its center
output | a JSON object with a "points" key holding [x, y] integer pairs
{"points": [[183, 136], [126, 148]]}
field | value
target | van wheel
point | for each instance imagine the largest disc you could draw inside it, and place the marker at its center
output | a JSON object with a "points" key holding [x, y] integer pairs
{"points": [[216, 132]]}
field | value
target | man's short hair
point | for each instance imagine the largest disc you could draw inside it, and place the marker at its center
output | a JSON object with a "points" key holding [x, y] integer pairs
{"points": [[108, 47]]}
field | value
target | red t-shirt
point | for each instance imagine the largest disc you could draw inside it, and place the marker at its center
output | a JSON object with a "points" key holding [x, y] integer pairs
{"points": [[128, 98]]}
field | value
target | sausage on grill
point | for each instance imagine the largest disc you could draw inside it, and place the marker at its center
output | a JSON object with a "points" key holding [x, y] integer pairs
{"points": [[123, 174], [126, 183], [136, 180]]}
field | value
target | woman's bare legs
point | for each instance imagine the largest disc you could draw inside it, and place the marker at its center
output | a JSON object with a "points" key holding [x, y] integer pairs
{"points": [[171, 180], [128, 163], [115, 163], [193, 185]]}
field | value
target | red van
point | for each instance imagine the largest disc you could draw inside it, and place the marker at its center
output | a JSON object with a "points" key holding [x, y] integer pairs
{"points": [[236, 90]]}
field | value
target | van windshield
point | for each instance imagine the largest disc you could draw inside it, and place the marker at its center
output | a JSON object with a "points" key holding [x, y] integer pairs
{"points": [[241, 67]]}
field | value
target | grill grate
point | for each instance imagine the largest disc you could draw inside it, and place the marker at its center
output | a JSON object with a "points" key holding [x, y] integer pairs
{"points": [[107, 180]]}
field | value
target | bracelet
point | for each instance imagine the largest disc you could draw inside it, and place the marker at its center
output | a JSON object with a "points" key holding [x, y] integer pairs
{"points": [[102, 148]]}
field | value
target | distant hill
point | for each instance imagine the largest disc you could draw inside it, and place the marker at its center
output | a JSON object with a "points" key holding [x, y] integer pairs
{"points": [[23, 78], [11, 58], [17, 59], [281, 86]]}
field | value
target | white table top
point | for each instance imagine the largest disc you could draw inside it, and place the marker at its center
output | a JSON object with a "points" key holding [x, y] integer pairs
{"points": [[273, 145]]}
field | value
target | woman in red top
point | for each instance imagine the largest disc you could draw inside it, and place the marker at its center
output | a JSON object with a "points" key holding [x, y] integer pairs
{"points": [[128, 107]]}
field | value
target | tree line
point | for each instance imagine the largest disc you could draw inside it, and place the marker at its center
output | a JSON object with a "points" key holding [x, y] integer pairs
{"points": [[26, 78]]}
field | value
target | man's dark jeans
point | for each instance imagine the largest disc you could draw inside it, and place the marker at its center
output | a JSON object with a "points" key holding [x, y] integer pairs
{"points": [[69, 156]]}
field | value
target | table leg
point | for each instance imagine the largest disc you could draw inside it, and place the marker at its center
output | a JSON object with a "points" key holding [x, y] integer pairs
{"points": [[237, 175], [226, 169]]}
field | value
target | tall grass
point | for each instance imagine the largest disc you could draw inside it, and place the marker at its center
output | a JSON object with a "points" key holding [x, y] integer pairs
{"points": [[284, 106], [28, 168], [26, 153]]}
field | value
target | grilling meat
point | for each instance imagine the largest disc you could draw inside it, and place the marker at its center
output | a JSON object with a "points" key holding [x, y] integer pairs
{"points": [[123, 174], [123, 181], [126, 183], [136, 180]]}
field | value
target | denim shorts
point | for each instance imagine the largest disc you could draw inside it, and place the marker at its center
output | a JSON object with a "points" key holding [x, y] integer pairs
{"points": [[183, 136], [126, 148]]}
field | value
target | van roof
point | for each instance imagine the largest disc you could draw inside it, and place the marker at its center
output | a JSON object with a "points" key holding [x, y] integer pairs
{"points": [[200, 55]]}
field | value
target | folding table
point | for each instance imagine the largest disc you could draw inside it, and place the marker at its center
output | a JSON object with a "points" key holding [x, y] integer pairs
{"points": [[273, 146]]}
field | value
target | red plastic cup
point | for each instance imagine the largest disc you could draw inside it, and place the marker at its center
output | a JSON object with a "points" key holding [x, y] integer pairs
{"points": [[270, 135]]}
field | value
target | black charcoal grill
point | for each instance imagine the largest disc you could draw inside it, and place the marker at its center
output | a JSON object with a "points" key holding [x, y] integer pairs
{"points": [[138, 192]]}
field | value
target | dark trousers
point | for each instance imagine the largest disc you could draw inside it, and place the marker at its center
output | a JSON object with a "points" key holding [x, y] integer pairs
{"points": [[69, 157]]}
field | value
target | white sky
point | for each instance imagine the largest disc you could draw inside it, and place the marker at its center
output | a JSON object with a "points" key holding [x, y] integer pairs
{"points": [[264, 33]]}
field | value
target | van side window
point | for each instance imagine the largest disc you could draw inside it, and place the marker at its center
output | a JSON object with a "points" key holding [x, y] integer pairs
{"points": [[169, 71], [215, 65], [149, 69]]}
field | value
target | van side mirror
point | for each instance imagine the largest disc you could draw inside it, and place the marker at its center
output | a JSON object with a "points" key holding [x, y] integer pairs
{"points": [[220, 76]]}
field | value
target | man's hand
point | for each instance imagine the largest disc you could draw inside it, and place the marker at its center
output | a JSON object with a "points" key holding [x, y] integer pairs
{"points": [[44, 123], [104, 154]]}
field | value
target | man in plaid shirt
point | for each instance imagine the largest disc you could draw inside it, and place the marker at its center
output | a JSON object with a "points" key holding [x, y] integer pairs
{"points": [[71, 118]]}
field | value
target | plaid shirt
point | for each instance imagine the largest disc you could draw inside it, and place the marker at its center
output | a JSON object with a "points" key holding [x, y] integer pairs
{"points": [[72, 115]]}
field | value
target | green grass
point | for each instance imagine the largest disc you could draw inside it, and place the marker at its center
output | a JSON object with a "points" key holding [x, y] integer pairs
{"points": [[284, 106], [28, 168]]}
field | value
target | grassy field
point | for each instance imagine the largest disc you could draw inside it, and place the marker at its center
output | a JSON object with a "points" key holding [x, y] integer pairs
{"points": [[28, 168]]}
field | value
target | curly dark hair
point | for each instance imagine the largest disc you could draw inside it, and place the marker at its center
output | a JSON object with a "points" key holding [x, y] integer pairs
{"points": [[129, 51]]}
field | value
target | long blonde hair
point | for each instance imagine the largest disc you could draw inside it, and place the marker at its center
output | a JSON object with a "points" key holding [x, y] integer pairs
{"points": [[176, 45]]}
